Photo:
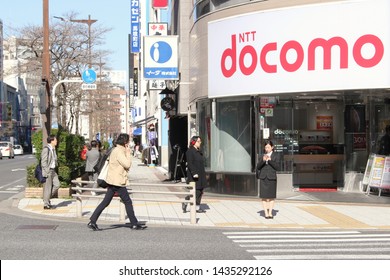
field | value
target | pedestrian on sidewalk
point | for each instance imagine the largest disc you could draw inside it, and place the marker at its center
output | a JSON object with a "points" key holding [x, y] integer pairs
{"points": [[117, 180], [195, 171], [49, 166], [268, 164], [384, 143], [93, 156]]}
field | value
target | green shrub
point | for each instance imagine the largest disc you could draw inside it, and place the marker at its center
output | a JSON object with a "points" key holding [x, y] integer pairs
{"points": [[70, 165]]}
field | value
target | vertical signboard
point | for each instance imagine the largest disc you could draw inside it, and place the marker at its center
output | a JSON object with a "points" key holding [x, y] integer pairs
{"points": [[135, 13], [385, 183], [377, 171]]}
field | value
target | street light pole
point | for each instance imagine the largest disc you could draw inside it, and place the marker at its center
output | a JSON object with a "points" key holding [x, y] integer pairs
{"points": [[89, 22], [46, 72]]}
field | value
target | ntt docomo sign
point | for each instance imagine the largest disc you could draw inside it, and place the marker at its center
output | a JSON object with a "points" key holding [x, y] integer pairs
{"points": [[307, 48], [258, 58]]}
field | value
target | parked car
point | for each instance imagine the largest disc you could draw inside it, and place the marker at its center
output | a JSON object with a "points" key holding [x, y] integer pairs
{"points": [[18, 150], [7, 149]]}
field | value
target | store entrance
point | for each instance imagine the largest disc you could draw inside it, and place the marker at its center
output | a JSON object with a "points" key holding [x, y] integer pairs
{"points": [[309, 131]]}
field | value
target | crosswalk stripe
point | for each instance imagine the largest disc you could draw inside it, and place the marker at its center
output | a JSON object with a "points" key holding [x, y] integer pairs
{"points": [[321, 257], [313, 250], [313, 245], [310, 240], [288, 232], [306, 236]]}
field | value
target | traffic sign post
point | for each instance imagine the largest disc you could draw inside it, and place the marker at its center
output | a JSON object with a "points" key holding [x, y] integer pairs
{"points": [[89, 76]]}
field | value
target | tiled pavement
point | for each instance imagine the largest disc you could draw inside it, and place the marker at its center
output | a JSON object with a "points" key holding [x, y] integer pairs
{"points": [[294, 210]]}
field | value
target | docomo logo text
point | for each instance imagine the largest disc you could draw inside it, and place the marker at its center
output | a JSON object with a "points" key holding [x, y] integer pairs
{"points": [[260, 56]]}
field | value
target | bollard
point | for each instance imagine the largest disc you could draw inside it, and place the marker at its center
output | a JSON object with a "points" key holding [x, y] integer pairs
{"points": [[193, 203]]}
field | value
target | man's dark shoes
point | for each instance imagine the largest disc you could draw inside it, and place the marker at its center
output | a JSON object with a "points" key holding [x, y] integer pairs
{"points": [[93, 226], [184, 207], [47, 207], [200, 211], [138, 227]]}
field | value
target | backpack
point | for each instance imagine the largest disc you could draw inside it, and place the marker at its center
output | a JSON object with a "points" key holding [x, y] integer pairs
{"points": [[38, 172], [99, 165]]}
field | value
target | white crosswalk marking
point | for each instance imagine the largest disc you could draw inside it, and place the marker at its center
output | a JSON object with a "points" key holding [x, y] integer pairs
{"points": [[13, 189], [313, 245]]}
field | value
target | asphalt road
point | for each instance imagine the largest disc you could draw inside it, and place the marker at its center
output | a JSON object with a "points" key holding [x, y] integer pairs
{"points": [[27, 236]]}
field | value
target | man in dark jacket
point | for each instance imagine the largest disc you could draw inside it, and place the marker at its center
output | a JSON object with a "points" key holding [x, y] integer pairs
{"points": [[195, 171]]}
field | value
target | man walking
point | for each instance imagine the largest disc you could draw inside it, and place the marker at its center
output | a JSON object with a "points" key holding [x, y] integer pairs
{"points": [[93, 156], [49, 165]]}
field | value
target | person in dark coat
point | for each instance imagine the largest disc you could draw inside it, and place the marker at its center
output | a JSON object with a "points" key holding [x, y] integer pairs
{"points": [[266, 168], [384, 144], [93, 156], [195, 171]]}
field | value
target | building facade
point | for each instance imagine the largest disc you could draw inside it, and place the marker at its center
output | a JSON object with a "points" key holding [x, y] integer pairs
{"points": [[311, 76]]}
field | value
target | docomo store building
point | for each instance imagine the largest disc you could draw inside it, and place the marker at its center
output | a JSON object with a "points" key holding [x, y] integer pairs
{"points": [[311, 76]]}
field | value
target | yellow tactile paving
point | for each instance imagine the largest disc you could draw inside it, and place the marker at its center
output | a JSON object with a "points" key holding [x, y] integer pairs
{"points": [[333, 217]]}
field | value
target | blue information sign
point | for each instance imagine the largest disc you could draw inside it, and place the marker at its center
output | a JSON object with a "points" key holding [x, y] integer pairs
{"points": [[89, 76]]}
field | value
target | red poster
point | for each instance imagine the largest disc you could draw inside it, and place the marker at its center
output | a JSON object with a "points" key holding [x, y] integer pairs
{"points": [[324, 122]]}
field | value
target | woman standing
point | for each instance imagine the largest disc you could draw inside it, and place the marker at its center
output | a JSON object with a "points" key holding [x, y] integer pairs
{"points": [[195, 171], [266, 168], [117, 180]]}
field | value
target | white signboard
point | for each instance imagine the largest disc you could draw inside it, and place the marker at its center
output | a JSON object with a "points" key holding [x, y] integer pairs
{"points": [[337, 45], [88, 86], [158, 28], [161, 57], [156, 84]]}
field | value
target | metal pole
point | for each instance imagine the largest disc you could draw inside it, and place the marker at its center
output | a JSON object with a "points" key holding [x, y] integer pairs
{"points": [[46, 72], [54, 118]]}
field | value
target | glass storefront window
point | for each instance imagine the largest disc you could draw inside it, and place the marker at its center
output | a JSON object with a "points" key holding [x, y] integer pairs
{"points": [[226, 129]]}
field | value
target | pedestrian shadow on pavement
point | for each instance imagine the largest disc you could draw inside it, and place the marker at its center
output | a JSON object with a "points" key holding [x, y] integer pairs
{"points": [[126, 225], [262, 213], [64, 203]]}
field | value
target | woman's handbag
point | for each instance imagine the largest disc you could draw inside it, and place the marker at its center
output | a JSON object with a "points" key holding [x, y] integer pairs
{"points": [[101, 180]]}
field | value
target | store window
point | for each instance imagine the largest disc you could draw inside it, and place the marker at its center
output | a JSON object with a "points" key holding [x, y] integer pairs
{"points": [[226, 128]]}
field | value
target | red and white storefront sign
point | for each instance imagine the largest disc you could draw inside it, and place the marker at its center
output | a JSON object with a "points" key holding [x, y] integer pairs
{"points": [[306, 48]]}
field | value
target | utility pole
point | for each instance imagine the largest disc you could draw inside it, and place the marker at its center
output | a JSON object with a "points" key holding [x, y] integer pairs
{"points": [[89, 22], [46, 74]]}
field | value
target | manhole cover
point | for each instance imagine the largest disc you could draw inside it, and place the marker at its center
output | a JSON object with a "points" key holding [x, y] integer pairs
{"points": [[45, 227]]}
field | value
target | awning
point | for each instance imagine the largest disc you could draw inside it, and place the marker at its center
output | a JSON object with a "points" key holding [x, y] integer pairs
{"points": [[141, 122], [137, 131]]}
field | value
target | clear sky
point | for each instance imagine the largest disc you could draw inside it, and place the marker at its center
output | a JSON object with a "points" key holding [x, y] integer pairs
{"points": [[113, 14]]}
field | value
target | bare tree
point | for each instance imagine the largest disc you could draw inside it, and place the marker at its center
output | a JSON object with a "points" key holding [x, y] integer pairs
{"points": [[69, 51]]}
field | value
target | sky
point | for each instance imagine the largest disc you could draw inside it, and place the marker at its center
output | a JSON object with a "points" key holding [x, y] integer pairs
{"points": [[114, 14]]}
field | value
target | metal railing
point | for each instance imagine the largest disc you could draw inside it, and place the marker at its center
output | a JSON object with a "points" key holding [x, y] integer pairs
{"points": [[189, 190]]}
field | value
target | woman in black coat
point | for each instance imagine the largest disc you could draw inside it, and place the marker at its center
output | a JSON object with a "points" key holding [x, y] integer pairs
{"points": [[266, 169], [195, 171]]}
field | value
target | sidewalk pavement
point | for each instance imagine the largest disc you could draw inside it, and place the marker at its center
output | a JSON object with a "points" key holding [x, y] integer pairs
{"points": [[293, 210]]}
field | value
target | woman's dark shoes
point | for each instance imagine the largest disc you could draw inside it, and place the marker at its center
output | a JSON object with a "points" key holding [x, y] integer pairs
{"points": [[184, 207], [93, 226], [138, 227], [200, 211]]}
